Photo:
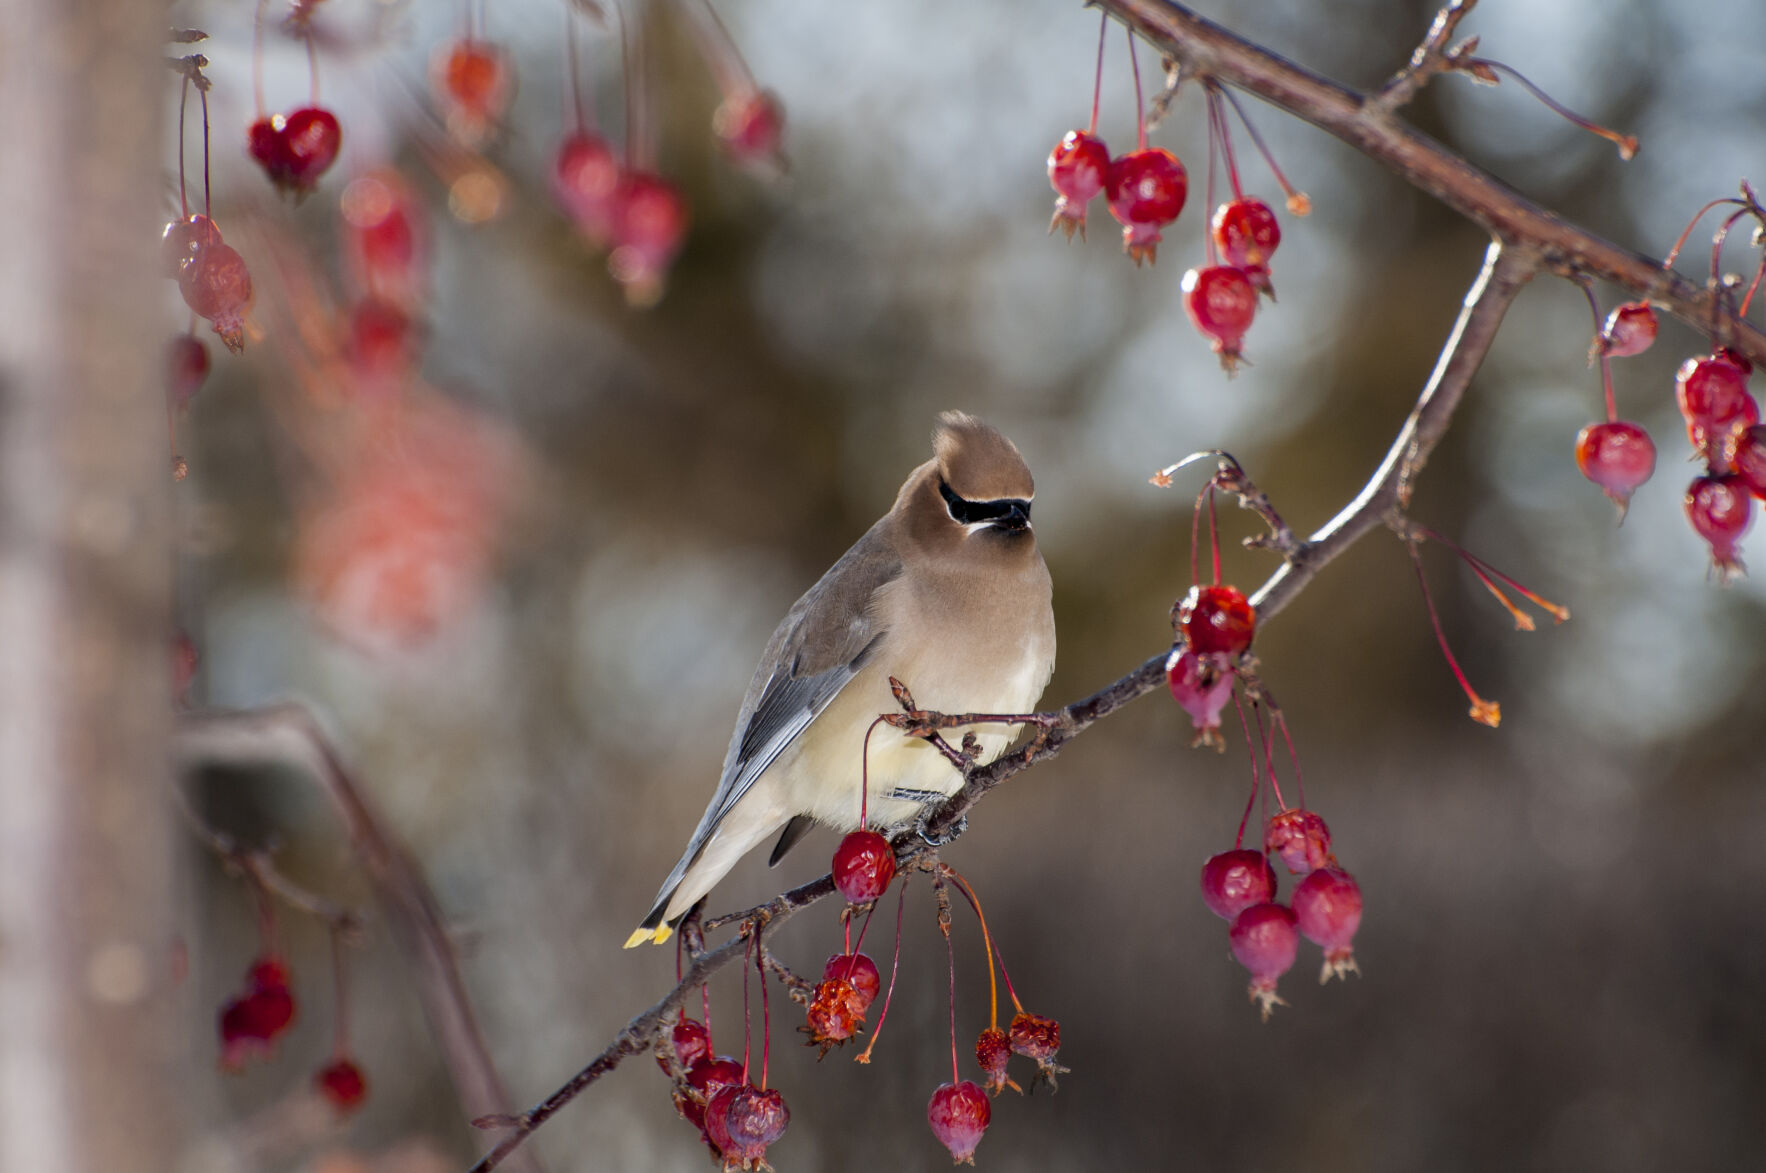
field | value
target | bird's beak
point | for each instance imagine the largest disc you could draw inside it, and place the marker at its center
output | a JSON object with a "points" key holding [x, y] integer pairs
{"points": [[1016, 518]]}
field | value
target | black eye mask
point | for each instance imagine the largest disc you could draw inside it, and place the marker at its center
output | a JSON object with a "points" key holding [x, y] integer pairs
{"points": [[1008, 513]]}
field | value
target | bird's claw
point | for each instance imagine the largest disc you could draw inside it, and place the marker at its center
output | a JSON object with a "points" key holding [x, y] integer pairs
{"points": [[950, 836]]}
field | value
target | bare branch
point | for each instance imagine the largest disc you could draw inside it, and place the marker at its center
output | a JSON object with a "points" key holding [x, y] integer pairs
{"points": [[1431, 57]]}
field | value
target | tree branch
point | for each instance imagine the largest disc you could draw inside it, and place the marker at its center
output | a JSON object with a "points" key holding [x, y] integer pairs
{"points": [[1370, 125]]}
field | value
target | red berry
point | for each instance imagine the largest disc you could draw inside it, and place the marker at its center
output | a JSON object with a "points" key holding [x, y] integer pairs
{"points": [[1629, 330], [754, 1120], [1235, 880], [864, 865], [1265, 942], [1217, 621], [182, 239], [750, 126], [1300, 838], [186, 369], [650, 221], [473, 82], [993, 1049], [295, 149], [1713, 396], [342, 1083], [1221, 302], [690, 1042], [1720, 509], [216, 285], [251, 1023], [585, 178], [1618, 456], [1146, 190], [708, 1075], [857, 970], [716, 1119], [381, 346], [959, 1114], [383, 239], [1748, 456], [1203, 689], [1327, 909], [268, 972], [1246, 232], [1077, 168]]}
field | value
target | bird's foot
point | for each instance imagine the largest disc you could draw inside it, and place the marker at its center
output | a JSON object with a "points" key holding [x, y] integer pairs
{"points": [[950, 836]]}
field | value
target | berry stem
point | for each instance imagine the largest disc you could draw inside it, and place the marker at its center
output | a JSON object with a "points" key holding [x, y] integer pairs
{"points": [[766, 1010], [1717, 242], [575, 70], [864, 775], [950, 953], [312, 71], [1250, 752], [1097, 85], [1279, 719], [1606, 366], [1140, 112], [1218, 122], [183, 105], [1208, 237], [207, 208], [719, 49], [1298, 203], [1627, 143], [748, 950], [1483, 569], [993, 998], [340, 1038], [1753, 287], [639, 149], [894, 969], [1214, 533], [257, 58], [1686, 233], [1484, 712]]}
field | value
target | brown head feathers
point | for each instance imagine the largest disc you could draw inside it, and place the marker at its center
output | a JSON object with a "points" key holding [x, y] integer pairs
{"points": [[979, 463]]}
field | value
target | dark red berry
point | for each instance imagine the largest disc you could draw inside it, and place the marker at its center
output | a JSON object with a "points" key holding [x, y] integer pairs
{"points": [[268, 972], [750, 126], [249, 1024], [1146, 190], [1618, 456], [716, 1120], [1748, 456], [1264, 941], [294, 149], [1077, 168], [704, 1080], [1217, 621], [1629, 330], [186, 369], [216, 285], [181, 241], [690, 1042], [864, 865], [1720, 509], [649, 223], [859, 971], [1235, 880], [1246, 232], [1327, 909], [343, 1084], [959, 1114], [1221, 302], [993, 1050], [1035, 1036], [1203, 689], [1300, 838], [754, 1121], [585, 178]]}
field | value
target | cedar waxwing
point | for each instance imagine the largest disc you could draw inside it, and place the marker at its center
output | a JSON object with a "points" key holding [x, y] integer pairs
{"points": [[948, 594]]}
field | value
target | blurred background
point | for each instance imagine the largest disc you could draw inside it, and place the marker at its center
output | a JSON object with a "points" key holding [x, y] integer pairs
{"points": [[1561, 952]]}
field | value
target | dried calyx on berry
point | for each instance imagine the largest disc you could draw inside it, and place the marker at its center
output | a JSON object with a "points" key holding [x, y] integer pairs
{"points": [[836, 1014], [993, 1050], [959, 1114]]}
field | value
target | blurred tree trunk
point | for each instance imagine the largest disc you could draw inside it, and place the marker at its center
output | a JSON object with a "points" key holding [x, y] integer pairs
{"points": [[88, 1062]]}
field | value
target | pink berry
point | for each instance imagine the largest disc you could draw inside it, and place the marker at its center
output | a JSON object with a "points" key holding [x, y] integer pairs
{"points": [[1217, 621], [181, 241], [585, 178], [1327, 909], [1713, 396], [959, 1114], [858, 971], [1203, 688], [650, 221], [1300, 838], [1629, 330], [1146, 190], [216, 285], [1077, 169], [1748, 456], [1265, 942], [1720, 509], [186, 369], [1246, 232], [993, 1050], [690, 1042], [864, 865], [750, 126], [1235, 880], [1221, 302], [342, 1083], [1618, 456], [754, 1121]]}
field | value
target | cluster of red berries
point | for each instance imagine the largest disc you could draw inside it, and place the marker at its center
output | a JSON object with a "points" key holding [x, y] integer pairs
{"points": [[1722, 427], [737, 1120], [1240, 887], [1215, 624]]}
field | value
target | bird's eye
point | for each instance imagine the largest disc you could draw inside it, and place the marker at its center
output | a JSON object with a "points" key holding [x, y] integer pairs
{"points": [[1007, 513]]}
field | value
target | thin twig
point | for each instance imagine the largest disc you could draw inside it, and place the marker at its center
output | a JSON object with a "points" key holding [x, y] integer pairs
{"points": [[1431, 57]]}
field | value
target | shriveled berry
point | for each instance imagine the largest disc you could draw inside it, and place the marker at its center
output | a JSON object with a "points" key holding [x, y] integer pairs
{"points": [[864, 865], [1264, 941], [1618, 456], [959, 1114], [649, 224], [216, 285], [1233, 881], [993, 1050], [1038, 1038], [1203, 688], [750, 126], [754, 1121], [716, 1120], [1720, 509], [704, 1080], [1217, 621], [1077, 168], [1246, 232], [585, 178], [835, 1014], [859, 971], [1146, 191], [690, 1042], [1748, 457], [1300, 838], [186, 369], [1327, 909], [182, 239], [473, 82], [1629, 330], [342, 1083], [1221, 302]]}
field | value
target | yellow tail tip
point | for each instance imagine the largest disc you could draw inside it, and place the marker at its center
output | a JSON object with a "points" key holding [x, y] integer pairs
{"points": [[659, 936]]}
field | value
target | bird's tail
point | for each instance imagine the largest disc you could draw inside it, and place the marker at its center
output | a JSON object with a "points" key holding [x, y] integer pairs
{"points": [[652, 930]]}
